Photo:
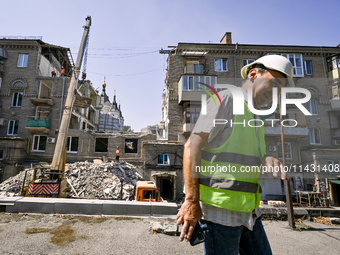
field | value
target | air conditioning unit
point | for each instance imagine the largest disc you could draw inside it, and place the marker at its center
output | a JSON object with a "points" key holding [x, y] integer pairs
{"points": [[51, 139], [336, 142], [272, 148], [3, 122]]}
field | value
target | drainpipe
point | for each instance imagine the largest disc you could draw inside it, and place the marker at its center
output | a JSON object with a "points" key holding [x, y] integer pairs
{"points": [[235, 64], [62, 100]]}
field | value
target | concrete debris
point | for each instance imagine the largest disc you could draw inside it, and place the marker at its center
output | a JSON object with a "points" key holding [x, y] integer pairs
{"points": [[97, 180], [333, 220], [167, 228], [102, 181], [325, 220], [12, 186]]}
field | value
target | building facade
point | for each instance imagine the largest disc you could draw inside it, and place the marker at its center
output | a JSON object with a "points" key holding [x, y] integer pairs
{"points": [[32, 93], [312, 149]]}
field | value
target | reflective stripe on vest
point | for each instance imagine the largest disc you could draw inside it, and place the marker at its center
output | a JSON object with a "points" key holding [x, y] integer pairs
{"points": [[234, 185], [231, 157]]}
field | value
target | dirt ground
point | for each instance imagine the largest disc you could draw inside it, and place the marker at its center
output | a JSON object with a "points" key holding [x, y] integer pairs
{"points": [[57, 234]]}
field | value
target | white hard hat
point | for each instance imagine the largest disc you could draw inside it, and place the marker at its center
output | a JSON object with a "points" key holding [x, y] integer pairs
{"points": [[273, 62]]}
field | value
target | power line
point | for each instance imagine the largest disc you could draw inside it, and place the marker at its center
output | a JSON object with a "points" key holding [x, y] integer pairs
{"points": [[132, 74], [124, 55]]}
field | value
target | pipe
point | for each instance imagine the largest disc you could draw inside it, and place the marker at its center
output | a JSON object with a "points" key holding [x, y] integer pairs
{"points": [[235, 64]]}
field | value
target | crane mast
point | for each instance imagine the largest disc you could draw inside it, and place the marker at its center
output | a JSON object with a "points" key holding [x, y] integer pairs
{"points": [[58, 161]]}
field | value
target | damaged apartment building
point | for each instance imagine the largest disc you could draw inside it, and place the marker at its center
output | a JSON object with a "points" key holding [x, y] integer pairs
{"points": [[32, 94], [159, 159], [32, 97], [311, 144]]}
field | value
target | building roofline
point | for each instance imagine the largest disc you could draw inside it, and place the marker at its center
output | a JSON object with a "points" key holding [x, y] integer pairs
{"points": [[260, 45]]}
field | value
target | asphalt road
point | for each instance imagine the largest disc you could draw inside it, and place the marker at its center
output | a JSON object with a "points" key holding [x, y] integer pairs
{"points": [[56, 234]]}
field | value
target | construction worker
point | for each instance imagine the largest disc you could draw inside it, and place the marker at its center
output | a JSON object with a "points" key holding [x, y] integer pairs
{"points": [[229, 200], [117, 154], [62, 72], [53, 73]]}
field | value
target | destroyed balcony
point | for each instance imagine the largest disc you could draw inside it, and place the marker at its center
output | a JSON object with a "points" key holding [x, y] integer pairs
{"points": [[38, 125], [190, 87], [42, 101]]}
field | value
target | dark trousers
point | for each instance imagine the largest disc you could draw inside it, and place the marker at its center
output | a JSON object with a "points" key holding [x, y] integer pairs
{"points": [[235, 240]]}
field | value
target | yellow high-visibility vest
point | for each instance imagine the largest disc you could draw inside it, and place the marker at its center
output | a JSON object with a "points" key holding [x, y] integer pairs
{"points": [[229, 174]]}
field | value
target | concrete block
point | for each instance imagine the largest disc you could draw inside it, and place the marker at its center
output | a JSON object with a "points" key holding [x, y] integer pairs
{"points": [[78, 206], [32, 205], [163, 208], [9, 200], [126, 208]]}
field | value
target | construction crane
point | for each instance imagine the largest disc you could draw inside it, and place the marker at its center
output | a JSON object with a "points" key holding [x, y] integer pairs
{"points": [[48, 179]]}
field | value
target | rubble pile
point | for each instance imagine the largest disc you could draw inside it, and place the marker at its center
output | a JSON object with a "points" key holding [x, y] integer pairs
{"points": [[100, 180], [327, 220], [12, 186]]}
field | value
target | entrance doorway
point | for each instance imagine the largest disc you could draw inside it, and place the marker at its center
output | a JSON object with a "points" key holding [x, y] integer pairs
{"points": [[335, 191], [166, 187]]}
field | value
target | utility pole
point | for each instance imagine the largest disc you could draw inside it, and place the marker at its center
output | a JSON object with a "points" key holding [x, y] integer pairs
{"points": [[290, 210], [58, 161]]}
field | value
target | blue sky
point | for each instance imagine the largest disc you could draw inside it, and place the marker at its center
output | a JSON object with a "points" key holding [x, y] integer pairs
{"points": [[126, 36]]}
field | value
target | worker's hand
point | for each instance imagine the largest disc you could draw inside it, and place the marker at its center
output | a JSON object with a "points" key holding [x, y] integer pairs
{"points": [[189, 214], [273, 165]]}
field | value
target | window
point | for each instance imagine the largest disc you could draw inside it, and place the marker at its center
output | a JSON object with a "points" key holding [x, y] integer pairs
{"points": [[288, 150], [17, 99], [247, 61], [296, 60], [308, 67], [1, 154], [191, 114], [314, 136], [163, 159], [39, 143], [72, 144], [193, 82], [13, 127], [311, 107], [131, 145], [193, 66], [221, 65], [22, 60], [149, 194], [101, 144], [333, 63]]}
